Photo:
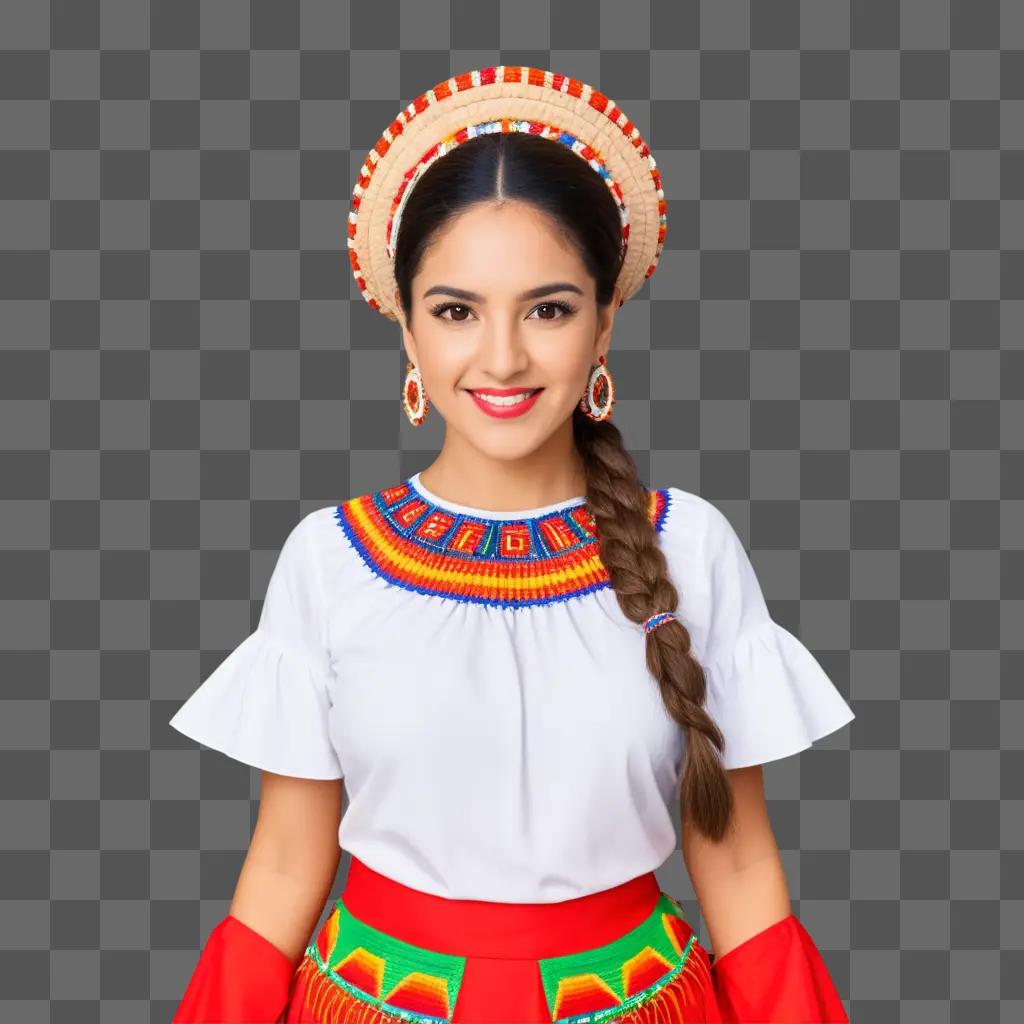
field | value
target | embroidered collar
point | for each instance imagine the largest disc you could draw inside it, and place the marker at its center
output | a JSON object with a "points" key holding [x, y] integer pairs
{"points": [[420, 544]]}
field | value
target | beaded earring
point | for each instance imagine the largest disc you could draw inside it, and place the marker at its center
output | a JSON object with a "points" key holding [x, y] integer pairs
{"points": [[414, 398], [600, 382]]}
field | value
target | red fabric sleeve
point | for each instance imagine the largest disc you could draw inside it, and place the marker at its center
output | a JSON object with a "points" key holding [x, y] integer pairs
{"points": [[777, 977], [241, 978]]}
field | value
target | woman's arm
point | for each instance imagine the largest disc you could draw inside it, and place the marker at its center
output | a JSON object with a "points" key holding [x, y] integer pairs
{"points": [[740, 882], [292, 860], [247, 966], [766, 966]]}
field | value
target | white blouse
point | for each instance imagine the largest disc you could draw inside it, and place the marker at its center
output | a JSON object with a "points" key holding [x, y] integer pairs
{"points": [[472, 677]]}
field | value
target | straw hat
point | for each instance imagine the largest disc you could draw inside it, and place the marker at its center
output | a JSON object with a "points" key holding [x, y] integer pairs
{"points": [[494, 99]]}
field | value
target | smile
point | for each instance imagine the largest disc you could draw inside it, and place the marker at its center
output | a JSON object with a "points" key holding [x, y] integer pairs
{"points": [[504, 406]]}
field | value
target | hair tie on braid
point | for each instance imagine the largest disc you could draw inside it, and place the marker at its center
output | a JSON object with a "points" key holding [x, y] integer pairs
{"points": [[655, 621]]}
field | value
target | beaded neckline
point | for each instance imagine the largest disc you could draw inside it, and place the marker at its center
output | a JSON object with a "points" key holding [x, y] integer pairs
{"points": [[410, 539]]}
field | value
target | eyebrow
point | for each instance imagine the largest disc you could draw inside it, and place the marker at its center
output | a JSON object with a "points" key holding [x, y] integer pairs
{"points": [[533, 293]]}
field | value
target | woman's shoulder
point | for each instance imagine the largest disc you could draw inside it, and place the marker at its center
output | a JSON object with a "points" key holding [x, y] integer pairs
{"points": [[688, 501], [693, 521], [326, 535], [705, 553]]}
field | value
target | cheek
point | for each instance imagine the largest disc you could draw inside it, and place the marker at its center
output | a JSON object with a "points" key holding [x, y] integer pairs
{"points": [[442, 358], [447, 367], [565, 362]]}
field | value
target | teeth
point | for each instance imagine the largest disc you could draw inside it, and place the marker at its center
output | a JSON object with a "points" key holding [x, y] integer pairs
{"points": [[505, 400]]}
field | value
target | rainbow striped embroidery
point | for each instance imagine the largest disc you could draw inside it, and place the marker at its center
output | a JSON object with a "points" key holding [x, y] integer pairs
{"points": [[353, 970], [416, 544], [648, 975], [653, 973]]}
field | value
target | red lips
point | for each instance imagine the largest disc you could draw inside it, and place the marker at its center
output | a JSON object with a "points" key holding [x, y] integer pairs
{"points": [[504, 412]]}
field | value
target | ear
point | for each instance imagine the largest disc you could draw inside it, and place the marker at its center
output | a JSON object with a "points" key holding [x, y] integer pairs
{"points": [[606, 320], [408, 342]]}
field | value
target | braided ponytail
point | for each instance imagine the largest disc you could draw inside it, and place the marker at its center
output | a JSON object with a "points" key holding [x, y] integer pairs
{"points": [[639, 576]]}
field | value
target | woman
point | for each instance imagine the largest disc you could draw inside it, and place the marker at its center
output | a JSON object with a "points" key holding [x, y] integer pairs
{"points": [[494, 653]]}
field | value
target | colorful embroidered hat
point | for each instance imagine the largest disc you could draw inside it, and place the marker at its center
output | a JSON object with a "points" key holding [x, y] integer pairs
{"points": [[502, 99]]}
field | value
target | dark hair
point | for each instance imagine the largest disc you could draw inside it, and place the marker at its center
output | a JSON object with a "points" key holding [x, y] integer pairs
{"points": [[551, 178]]}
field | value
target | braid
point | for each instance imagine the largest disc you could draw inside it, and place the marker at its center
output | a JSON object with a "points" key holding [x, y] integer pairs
{"points": [[639, 576]]}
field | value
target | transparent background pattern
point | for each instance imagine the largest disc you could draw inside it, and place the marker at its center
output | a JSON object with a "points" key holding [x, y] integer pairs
{"points": [[831, 350]]}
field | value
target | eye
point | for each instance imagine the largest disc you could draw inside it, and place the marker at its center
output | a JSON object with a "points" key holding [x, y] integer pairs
{"points": [[566, 309], [442, 307]]}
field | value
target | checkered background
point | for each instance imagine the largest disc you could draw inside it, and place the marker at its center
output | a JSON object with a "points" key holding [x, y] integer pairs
{"points": [[830, 350]]}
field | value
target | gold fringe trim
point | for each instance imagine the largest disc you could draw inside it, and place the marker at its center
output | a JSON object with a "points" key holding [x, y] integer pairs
{"points": [[690, 986], [331, 1004]]}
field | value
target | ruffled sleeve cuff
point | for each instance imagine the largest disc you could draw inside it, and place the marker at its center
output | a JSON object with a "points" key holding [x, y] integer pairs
{"points": [[268, 706], [770, 696], [777, 976], [241, 978]]}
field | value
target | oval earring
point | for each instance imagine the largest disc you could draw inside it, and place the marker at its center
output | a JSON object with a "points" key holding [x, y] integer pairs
{"points": [[414, 398], [600, 383]]}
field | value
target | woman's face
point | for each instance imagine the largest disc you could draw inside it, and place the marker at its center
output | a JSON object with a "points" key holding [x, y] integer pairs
{"points": [[483, 316]]}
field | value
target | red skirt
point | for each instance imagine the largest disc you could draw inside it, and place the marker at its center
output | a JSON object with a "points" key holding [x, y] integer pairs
{"points": [[388, 952]]}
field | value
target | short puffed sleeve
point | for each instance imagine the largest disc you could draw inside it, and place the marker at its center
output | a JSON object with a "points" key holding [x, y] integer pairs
{"points": [[765, 690], [267, 704]]}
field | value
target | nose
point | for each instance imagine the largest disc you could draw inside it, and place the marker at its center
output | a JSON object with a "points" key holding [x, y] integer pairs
{"points": [[503, 352]]}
